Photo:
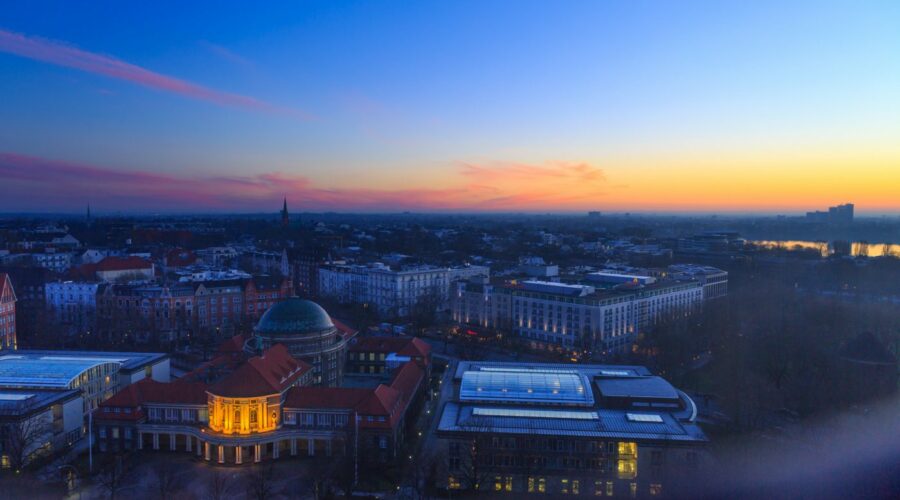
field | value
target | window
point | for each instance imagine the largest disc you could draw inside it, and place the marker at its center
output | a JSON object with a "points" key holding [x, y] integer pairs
{"points": [[530, 485], [507, 483], [564, 486], [382, 442], [102, 431], [115, 432], [632, 488], [498, 483], [609, 488], [290, 418], [655, 489], [128, 433], [171, 414], [598, 488], [575, 485], [452, 483]]}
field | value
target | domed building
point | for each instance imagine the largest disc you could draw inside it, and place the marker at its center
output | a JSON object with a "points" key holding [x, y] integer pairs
{"points": [[309, 334]]}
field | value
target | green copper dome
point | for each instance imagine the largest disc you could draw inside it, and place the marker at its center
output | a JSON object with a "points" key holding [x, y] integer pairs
{"points": [[294, 316]]}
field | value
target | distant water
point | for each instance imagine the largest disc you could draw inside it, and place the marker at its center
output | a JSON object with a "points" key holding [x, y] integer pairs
{"points": [[857, 248]]}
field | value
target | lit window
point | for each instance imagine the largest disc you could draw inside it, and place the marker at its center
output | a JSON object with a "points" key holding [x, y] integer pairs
{"points": [[633, 489], [564, 486], [508, 483], [542, 485], [498, 483], [609, 488], [575, 485], [655, 489]]}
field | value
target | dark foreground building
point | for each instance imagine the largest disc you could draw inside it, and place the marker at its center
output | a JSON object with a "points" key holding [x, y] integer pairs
{"points": [[566, 430]]}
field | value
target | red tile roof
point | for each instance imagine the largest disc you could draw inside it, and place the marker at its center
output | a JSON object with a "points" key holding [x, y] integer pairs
{"points": [[407, 380], [150, 391], [122, 264], [332, 398], [270, 373], [233, 345]]}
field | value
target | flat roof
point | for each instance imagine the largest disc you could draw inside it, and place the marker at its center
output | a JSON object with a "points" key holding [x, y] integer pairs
{"points": [[587, 370], [14, 402], [129, 361], [636, 387], [467, 418]]}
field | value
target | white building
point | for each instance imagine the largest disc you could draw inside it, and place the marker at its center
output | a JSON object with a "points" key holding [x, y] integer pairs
{"points": [[72, 303], [573, 317], [392, 292]]}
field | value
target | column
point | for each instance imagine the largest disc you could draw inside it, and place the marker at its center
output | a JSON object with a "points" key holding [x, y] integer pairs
{"points": [[221, 454], [238, 454], [206, 454], [140, 440], [311, 447], [190, 441], [172, 441], [257, 453], [276, 449], [294, 447], [155, 441]]}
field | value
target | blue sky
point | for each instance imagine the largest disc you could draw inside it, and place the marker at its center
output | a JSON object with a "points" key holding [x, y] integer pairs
{"points": [[388, 102]]}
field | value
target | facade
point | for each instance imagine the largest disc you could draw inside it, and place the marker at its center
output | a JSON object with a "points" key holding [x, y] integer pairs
{"points": [[378, 355], [113, 269], [35, 422], [7, 314], [394, 293], [237, 409], [309, 335], [560, 430], [72, 303], [263, 292], [605, 315]]}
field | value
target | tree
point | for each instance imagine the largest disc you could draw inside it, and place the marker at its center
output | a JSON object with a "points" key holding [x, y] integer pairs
{"points": [[23, 440], [166, 479], [114, 474], [260, 481], [219, 486]]}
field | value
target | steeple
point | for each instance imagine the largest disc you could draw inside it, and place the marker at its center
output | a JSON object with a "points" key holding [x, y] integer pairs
{"points": [[89, 213], [285, 218]]}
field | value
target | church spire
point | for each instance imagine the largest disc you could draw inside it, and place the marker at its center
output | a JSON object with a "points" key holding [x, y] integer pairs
{"points": [[285, 217]]}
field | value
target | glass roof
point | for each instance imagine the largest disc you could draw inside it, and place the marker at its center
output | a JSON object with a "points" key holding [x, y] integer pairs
{"points": [[643, 417], [524, 386], [16, 371], [518, 412]]}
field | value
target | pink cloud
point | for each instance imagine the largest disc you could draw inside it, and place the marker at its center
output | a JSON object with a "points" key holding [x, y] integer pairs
{"points": [[62, 54], [31, 183], [506, 171]]}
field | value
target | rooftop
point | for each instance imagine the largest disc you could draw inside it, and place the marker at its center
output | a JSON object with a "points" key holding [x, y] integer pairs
{"points": [[129, 361], [56, 372]]}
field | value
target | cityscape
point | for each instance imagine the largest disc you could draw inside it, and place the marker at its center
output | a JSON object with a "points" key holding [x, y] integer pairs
{"points": [[470, 250]]}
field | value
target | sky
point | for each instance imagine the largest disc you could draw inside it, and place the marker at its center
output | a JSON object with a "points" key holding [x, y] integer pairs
{"points": [[482, 106]]}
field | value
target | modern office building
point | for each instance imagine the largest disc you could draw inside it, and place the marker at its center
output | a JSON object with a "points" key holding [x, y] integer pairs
{"points": [[96, 374], [35, 422], [560, 430]]}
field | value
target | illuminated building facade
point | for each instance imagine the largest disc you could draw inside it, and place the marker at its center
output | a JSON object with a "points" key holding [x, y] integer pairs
{"points": [[559, 430]]}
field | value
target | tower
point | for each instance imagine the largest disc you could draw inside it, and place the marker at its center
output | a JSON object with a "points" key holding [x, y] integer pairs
{"points": [[285, 218]]}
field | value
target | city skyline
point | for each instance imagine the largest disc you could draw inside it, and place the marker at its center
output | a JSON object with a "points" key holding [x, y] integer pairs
{"points": [[466, 107]]}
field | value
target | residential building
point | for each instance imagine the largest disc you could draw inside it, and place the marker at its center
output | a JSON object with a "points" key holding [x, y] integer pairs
{"points": [[262, 292], [115, 269], [72, 304], [7, 313], [378, 355], [393, 293], [559, 430]]}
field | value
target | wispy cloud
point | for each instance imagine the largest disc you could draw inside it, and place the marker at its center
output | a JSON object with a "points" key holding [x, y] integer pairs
{"points": [[31, 183], [63, 54], [226, 54]]}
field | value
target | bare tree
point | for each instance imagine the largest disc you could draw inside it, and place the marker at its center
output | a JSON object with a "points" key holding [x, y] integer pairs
{"points": [[166, 479], [260, 482], [219, 486], [114, 475], [23, 440]]}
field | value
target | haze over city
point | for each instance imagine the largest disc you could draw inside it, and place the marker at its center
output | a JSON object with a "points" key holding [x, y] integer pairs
{"points": [[463, 106]]}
